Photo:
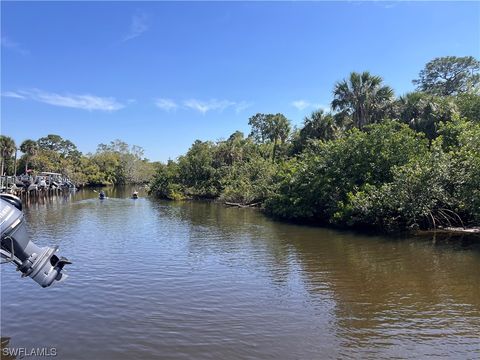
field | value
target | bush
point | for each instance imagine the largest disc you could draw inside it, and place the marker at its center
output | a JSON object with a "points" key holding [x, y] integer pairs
{"points": [[165, 184], [417, 197], [469, 106], [461, 140], [324, 176], [249, 182], [441, 188]]}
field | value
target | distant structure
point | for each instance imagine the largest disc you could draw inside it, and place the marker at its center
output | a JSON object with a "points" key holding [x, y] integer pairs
{"points": [[43, 184]]}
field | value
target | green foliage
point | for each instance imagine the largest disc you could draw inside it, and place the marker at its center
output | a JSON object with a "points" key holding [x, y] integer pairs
{"points": [[461, 140], [449, 75], [363, 99], [51, 153], [294, 198], [424, 112], [194, 175], [197, 171], [319, 126], [30, 149], [417, 196], [440, 188], [120, 163], [270, 128], [56, 144], [7, 151], [469, 106], [165, 184], [115, 163], [420, 172], [249, 182], [236, 170], [320, 183]]}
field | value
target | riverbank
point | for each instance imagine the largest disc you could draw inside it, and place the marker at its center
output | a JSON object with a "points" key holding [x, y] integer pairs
{"points": [[393, 164], [386, 177]]}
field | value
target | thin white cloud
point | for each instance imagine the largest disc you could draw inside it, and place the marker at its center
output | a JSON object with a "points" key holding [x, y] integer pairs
{"points": [[84, 102], [138, 26], [389, 5], [301, 104], [13, 94], [305, 104], [242, 105], [205, 106], [325, 108], [166, 104], [10, 44], [202, 106]]}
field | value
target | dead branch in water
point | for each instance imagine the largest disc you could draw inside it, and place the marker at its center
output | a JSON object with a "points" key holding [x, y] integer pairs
{"points": [[240, 205]]}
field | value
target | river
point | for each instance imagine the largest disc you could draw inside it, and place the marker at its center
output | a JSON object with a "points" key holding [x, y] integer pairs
{"points": [[196, 280]]}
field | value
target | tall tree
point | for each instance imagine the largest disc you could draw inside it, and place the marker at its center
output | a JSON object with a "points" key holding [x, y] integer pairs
{"points": [[196, 169], [121, 162], [259, 123], [363, 97], [50, 142], [279, 131], [7, 149], [30, 149], [231, 150], [449, 75], [65, 148], [274, 128]]}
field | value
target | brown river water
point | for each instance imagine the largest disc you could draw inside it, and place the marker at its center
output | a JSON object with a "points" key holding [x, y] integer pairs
{"points": [[195, 280]]}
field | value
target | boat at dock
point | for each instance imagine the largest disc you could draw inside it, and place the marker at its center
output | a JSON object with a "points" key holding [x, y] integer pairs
{"points": [[43, 182]]}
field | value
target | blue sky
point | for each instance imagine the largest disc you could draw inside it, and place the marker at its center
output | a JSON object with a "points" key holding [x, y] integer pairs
{"points": [[160, 75]]}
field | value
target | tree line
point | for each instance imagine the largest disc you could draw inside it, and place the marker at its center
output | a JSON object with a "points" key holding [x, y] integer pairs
{"points": [[113, 163], [375, 160]]}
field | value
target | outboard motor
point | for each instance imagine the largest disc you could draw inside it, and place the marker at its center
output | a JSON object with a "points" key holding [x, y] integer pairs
{"points": [[41, 264]]}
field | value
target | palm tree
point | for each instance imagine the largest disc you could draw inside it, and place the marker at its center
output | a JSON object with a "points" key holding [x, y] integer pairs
{"points": [[410, 106], [424, 112], [30, 149], [319, 125], [278, 130], [7, 148], [363, 98]]}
